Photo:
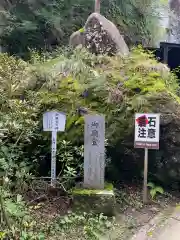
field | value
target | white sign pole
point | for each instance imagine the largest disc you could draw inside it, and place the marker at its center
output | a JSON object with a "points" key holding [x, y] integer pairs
{"points": [[53, 158], [145, 197], [54, 122]]}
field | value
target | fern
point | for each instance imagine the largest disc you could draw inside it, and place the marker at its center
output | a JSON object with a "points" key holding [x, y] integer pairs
{"points": [[138, 102]]}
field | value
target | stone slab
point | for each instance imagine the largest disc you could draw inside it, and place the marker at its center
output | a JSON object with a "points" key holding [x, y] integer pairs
{"points": [[95, 201]]}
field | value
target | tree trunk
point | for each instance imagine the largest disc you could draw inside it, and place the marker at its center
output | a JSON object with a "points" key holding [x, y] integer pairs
{"points": [[97, 6]]}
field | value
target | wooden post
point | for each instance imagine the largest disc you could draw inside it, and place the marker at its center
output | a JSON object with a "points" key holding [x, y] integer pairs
{"points": [[145, 196], [53, 159], [97, 6], [165, 55]]}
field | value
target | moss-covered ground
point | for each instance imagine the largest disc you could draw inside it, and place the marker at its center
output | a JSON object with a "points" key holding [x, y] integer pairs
{"points": [[83, 191]]}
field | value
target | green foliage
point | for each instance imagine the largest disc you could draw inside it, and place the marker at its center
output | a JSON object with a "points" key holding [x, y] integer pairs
{"points": [[85, 226], [79, 191], [13, 213], [154, 190], [71, 163], [117, 87], [17, 223], [14, 74], [42, 25], [81, 30], [114, 86]]}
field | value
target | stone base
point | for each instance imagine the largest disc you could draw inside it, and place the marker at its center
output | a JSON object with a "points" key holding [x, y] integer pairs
{"points": [[95, 201]]}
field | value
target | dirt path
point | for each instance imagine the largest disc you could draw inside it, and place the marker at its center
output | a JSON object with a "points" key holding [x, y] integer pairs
{"points": [[138, 222], [150, 230]]}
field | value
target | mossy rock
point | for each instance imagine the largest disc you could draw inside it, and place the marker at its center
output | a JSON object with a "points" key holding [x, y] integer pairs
{"points": [[118, 88], [93, 200], [115, 87]]}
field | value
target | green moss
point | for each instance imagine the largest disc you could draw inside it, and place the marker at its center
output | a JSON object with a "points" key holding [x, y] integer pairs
{"points": [[83, 191], [109, 186], [140, 81], [81, 30]]}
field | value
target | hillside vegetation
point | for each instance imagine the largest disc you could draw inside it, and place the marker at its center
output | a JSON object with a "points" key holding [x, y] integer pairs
{"points": [[44, 24], [77, 83], [80, 83], [38, 73]]}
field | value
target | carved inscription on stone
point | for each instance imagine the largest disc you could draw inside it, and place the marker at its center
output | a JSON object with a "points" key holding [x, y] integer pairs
{"points": [[94, 151]]}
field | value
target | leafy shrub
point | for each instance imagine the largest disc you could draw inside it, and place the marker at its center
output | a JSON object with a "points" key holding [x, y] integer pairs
{"points": [[21, 117], [77, 84], [71, 161], [13, 213], [87, 226], [154, 190]]}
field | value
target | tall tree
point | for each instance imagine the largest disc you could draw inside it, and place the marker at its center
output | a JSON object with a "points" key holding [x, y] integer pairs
{"points": [[97, 6]]}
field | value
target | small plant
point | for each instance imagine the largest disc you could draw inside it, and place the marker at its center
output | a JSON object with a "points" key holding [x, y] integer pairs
{"points": [[155, 189], [89, 225], [71, 161]]}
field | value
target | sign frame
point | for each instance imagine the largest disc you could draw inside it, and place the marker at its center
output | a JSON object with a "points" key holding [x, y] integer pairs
{"points": [[149, 144], [51, 124], [54, 122], [143, 120]]}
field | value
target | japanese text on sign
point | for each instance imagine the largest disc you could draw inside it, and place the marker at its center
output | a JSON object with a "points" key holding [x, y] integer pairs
{"points": [[94, 133], [94, 151], [54, 121], [147, 131]]}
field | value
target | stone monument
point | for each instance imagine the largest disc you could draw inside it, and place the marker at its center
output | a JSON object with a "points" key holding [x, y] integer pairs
{"points": [[94, 195], [94, 137]]}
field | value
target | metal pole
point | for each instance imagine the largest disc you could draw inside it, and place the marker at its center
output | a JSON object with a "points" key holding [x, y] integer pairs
{"points": [[53, 159], [145, 197]]}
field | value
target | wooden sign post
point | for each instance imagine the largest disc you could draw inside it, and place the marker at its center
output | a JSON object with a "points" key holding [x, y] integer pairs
{"points": [[54, 122], [147, 137]]}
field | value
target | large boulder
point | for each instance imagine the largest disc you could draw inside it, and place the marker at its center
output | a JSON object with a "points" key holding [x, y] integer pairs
{"points": [[103, 37], [159, 68], [77, 39], [100, 36]]}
